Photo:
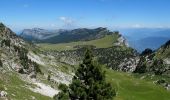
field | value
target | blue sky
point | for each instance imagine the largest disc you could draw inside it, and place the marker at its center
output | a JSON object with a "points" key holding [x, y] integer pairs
{"points": [[53, 14]]}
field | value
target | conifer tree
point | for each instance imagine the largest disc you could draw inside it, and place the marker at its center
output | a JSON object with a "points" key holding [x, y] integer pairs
{"points": [[88, 83]]}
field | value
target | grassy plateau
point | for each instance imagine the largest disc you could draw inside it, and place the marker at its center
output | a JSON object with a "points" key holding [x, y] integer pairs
{"points": [[104, 42]]}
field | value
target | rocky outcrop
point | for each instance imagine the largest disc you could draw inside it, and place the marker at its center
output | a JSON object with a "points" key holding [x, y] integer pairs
{"points": [[129, 64], [121, 42]]}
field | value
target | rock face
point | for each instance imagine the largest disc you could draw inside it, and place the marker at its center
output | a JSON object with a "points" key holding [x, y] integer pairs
{"points": [[14, 51], [121, 41]]}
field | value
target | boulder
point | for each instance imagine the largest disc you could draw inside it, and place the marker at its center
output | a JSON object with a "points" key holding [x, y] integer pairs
{"points": [[3, 94], [168, 87]]}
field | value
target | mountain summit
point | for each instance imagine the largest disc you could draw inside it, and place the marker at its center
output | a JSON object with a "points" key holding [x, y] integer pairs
{"points": [[38, 34]]}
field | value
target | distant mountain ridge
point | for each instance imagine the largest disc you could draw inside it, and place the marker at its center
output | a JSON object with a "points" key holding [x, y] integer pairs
{"points": [[64, 36]]}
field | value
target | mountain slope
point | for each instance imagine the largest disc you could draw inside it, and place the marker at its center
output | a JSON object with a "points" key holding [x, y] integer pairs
{"points": [[14, 65], [23, 74], [164, 51], [14, 51]]}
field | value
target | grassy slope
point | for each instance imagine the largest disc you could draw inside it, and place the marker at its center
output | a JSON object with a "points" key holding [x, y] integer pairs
{"points": [[105, 42], [130, 88], [163, 54], [17, 89]]}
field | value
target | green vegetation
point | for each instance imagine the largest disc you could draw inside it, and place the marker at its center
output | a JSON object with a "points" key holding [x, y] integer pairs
{"points": [[1, 27], [157, 66], [104, 42], [25, 62], [49, 77], [142, 66], [18, 89], [37, 67], [150, 63], [164, 51], [146, 52], [130, 87], [91, 81], [150, 77], [22, 52], [88, 83], [6, 43], [1, 64]]}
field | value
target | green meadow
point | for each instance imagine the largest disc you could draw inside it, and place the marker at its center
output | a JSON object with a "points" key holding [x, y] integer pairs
{"points": [[104, 42], [129, 87]]}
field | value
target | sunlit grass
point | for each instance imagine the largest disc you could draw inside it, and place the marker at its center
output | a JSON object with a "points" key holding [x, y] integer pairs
{"points": [[104, 42], [130, 88]]}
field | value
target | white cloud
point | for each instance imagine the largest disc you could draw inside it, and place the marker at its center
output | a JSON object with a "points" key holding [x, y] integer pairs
{"points": [[66, 20]]}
